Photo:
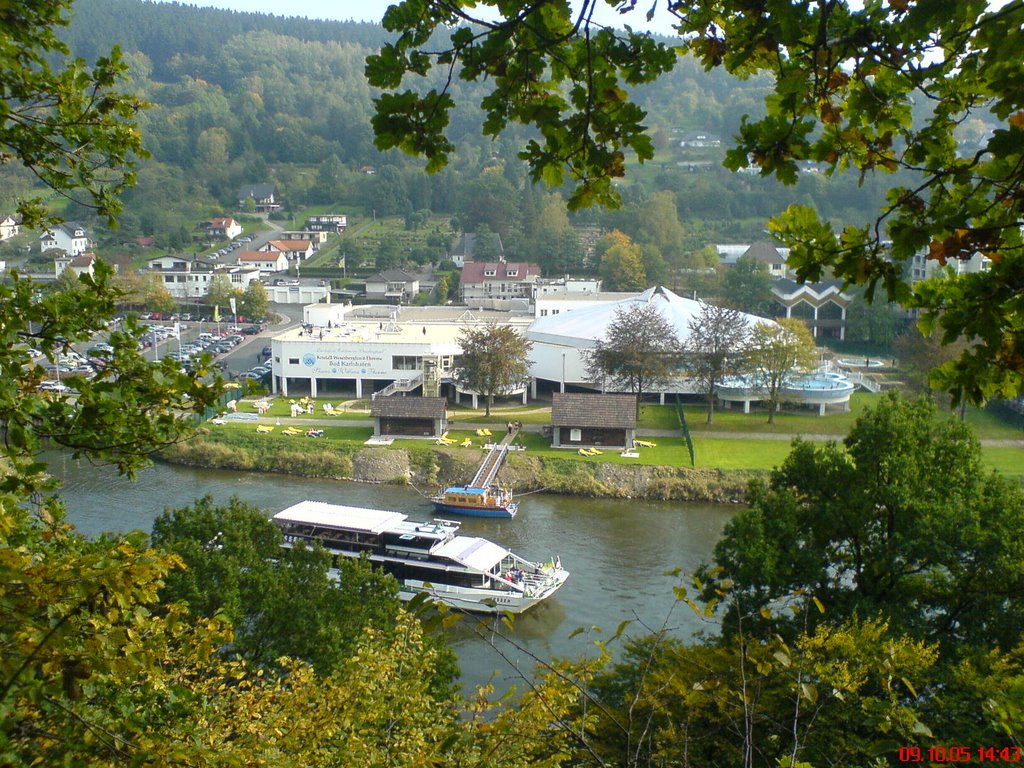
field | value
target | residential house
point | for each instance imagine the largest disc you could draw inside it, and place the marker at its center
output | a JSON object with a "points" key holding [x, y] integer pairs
{"points": [[392, 285], [327, 222], [465, 248], [10, 226], [182, 276], [770, 256], [317, 238], [83, 264], [70, 238], [264, 195], [294, 250], [267, 262], [580, 420], [221, 228], [185, 277], [498, 280]]}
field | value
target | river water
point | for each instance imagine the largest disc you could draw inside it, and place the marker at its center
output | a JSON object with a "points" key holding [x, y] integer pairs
{"points": [[617, 551]]}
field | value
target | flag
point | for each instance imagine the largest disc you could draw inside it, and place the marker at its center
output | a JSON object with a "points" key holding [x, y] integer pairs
{"points": [[216, 313]]}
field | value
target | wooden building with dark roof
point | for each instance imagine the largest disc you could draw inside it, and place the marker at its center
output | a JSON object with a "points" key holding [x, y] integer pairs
{"points": [[581, 420], [398, 416]]}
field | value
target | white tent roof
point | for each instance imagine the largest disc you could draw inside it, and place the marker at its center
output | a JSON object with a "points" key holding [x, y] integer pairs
{"points": [[582, 327], [472, 552]]}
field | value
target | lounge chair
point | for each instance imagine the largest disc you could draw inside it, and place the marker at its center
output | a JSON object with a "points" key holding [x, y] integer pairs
{"points": [[264, 428], [467, 443]]}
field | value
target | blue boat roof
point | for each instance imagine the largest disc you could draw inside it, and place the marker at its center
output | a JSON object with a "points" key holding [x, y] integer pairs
{"points": [[460, 489]]}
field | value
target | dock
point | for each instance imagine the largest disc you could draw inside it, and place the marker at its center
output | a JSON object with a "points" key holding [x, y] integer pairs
{"points": [[492, 462]]}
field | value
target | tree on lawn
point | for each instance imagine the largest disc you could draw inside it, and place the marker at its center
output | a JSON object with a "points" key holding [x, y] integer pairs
{"points": [[254, 301], [715, 348], [494, 360], [847, 79], [639, 353], [776, 351]]}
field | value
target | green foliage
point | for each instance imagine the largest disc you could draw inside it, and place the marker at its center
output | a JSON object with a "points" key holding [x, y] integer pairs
{"points": [[747, 286], [61, 119], [714, 348], [281, 603], [254, 304], [845, 80], [622, 266], [541, 73], [640, 351], [776, 352], [901, 521], [494, 360]]}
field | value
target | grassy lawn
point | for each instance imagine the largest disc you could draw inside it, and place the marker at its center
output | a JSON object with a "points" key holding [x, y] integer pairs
{"points": [[740, 453]]}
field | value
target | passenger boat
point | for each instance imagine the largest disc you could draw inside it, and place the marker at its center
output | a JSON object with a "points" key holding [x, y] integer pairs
{"points": [[475, 502], [463, 572]]}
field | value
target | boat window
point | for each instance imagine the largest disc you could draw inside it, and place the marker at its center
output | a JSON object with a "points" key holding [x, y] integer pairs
{"points": [[407, 537]]}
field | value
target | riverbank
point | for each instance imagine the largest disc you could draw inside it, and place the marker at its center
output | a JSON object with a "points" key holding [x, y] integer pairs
{"points": [[426, 467]]}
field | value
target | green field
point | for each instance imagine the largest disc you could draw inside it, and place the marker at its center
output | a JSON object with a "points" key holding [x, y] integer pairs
{"points": [[749, 442]]}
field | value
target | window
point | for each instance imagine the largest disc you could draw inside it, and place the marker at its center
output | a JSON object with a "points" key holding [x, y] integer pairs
{"points": [[293, 361], [490, 272], [168, 278], [406, 362], [575, 434], [543, 313], [511, 272]]}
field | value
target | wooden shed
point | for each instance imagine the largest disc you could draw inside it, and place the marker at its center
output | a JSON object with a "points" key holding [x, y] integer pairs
{"points": [[589, 420], [409, 416]]}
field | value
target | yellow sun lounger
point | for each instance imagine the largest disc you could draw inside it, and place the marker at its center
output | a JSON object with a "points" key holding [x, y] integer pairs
{"points": [[467, 443], [645, 444], [291, 431], [444, 441], [264, 428]]}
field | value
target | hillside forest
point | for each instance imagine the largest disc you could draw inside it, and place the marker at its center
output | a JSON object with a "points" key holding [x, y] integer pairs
{"points": [[237, 98]]}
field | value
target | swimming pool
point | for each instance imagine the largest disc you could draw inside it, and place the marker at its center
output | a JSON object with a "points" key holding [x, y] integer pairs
{"points": [[820, 388]]}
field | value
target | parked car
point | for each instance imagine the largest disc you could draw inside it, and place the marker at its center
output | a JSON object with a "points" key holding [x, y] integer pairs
{"points": [[267, 351]]}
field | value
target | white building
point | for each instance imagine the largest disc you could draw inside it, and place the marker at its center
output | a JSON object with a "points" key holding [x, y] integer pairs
{"points": [[70, 238], [392, 349], [10, 226], [187, 278], [266, 262], [546, 286], [560, 340], [376, 348], [558, 303]]}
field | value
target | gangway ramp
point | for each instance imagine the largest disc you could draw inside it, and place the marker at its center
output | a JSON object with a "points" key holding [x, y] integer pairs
{"points": [[491, 464]]}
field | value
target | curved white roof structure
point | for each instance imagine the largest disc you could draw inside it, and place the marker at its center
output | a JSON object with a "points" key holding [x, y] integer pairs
{"points": [[582, 327]]}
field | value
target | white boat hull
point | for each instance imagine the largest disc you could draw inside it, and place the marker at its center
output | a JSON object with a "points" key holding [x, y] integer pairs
{"points": [[480, 600]]}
